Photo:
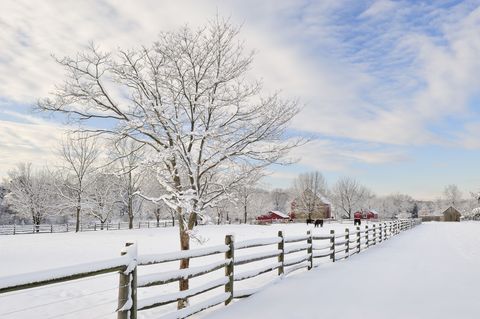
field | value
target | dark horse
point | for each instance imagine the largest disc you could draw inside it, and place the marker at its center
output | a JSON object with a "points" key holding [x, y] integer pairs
{"points": [[319, 222], [310, 221]]}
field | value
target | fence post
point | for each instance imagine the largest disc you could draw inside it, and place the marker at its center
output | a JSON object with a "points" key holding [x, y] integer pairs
{"points": [[374, 234], [380, 229], [385, 227], [332, 241], [366, 232], [359, 248], [118, 225], [67, 227], [229, 254], [347, 243], [14, 228], [133, 290], [95, 226], [127, 291], [310, 249], [281, 257]]}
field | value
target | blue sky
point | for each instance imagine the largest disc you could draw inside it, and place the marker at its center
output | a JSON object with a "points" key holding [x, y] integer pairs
{"points": [[390, 89]]}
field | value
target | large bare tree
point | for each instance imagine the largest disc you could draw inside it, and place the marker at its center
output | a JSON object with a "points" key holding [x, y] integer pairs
{"points": [[190, 98]]}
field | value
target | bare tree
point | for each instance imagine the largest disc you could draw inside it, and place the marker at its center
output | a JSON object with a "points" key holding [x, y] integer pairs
{"points": [[476, 196], [190, 99], [29, 193], [222, 211], [309, 190], [452, 194], [394, 205], [349, 196], [79, 152], [279, 199], [244, 193], [102, 197], [128, 155]]}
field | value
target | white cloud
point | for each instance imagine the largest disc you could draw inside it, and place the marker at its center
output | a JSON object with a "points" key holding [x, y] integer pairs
{"points": [[31, 140], [383, 85], [330, 155]]}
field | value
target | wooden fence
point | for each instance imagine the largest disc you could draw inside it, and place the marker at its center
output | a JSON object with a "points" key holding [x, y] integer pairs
{"points": [[63, 228], [286, 253]]}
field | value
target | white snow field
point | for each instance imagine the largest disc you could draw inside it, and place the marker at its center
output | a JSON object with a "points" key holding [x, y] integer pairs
{"points": [[431, 271], [96, 297]]}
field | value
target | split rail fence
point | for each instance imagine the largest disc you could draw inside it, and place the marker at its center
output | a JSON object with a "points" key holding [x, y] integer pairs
{"points": [[285, 253], [63, 228]]}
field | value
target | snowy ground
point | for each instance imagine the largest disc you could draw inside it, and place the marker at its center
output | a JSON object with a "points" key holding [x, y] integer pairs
{"points": [[96, 297], [431, 271]]}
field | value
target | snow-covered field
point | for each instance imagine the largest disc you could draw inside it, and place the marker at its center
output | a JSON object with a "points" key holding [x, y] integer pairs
{"points": [[97, 297], [431, 271]]}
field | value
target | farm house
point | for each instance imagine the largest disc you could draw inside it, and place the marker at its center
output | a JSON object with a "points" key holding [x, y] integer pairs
{"points": [[451, 214]]}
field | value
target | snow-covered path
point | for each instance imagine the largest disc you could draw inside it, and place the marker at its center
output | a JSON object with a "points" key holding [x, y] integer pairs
{"points": [[431, 271]]}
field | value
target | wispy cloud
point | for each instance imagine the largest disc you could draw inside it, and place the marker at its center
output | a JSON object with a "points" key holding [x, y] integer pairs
{"points": [[27, 139], [377, 77]]}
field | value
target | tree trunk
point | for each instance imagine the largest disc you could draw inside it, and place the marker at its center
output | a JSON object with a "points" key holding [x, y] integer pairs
{"points": [[245, 213], [101, 224], [130, 213], [36, 223], [77, 223], [185, 245], [130, 221], [157, 217], [184, 263]]}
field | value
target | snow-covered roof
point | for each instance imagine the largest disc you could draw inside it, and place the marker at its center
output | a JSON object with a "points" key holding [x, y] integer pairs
{"points": [[451, 206], [276, 212]]}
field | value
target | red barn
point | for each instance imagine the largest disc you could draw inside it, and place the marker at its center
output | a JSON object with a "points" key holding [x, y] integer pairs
{"points": [[273, 215], [372, 214], [369, 214]]}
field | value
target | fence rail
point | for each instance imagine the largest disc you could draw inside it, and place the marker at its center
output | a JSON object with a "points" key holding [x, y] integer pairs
{"points": [[63, 228], [285, 254]]}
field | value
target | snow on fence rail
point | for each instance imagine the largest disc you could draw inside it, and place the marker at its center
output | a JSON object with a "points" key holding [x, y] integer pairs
{"points": [[290, 253], [63, 228]]}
